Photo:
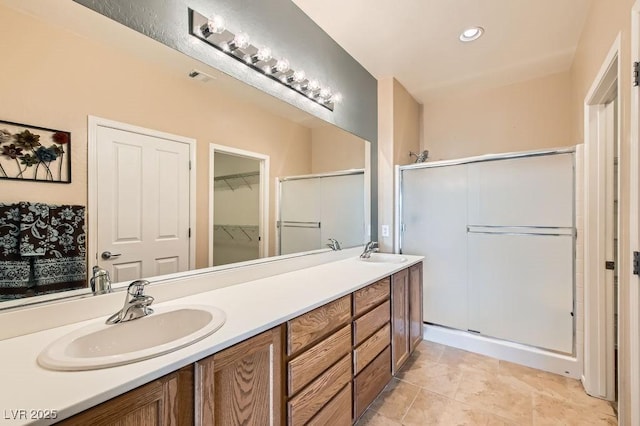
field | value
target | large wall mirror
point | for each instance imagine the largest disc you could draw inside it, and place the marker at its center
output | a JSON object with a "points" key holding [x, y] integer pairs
{"points": [[127, 102]]}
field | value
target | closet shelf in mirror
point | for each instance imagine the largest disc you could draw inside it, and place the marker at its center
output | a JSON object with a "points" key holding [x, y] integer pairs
{"points": [[239, 233], [236, 181]]}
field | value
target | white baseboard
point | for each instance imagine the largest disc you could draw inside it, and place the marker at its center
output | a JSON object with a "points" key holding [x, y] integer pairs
{"points": [[508, 351]]}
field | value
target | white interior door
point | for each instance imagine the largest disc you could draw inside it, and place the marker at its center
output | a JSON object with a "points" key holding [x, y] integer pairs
{"points": [[630, 299], [608, 127], [600, 131], [143, 203]]}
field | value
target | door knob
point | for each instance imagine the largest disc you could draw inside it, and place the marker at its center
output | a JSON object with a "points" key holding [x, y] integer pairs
{"points": [[106, 255]]}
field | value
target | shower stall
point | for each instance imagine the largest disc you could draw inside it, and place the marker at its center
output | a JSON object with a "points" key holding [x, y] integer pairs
{"points": [[314, 208], [498, 235]]}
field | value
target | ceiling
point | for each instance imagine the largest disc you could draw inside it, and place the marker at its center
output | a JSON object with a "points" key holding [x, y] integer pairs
{"points": [[416, 41]]}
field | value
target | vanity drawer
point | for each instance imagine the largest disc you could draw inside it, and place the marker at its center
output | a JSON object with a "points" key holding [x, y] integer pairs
{"points": [[312, 326], [337, 412], [308, 365], [369, 323], [368, 297], [307, 403], [367, 351], [370, 382]]}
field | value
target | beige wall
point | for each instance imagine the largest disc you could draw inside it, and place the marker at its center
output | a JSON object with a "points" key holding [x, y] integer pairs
{"points": [[385, 160], [608, 19], [52, 78], [407, 114], [398, 133], [524, 116], [335, 149]]}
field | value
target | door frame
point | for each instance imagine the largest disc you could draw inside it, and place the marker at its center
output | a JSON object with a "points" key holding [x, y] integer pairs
{"points": [[92, 181], [630, 356], [599, 326], [263, 217]]}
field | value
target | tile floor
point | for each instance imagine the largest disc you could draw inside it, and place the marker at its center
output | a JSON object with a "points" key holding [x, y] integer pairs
{"points": [[441, 385]]}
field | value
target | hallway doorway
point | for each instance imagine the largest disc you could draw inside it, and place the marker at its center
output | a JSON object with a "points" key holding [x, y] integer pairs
{"points": [[601, 230], [238, 205]]}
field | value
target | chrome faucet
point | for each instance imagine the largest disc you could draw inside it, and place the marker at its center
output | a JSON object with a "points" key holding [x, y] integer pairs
{"points": [[370, 247], [101, 281], [136, 304], [334, 244]]}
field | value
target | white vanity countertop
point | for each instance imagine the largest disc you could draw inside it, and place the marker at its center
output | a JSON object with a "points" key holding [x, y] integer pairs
{"points": [[251, 308]]}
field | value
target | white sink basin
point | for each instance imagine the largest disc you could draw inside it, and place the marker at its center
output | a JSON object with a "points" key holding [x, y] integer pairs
{"points": [[385, 258], [100, 345]]}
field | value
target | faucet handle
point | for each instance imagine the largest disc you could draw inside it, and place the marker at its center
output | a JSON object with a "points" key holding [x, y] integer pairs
{"points": [[100, 281], [334, 244], [371, 245], [137, 287]]}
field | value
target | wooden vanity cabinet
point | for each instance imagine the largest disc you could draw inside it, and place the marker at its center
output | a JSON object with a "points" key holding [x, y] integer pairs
{"points": [[406, 314], [371, 343], [319, 365], [324, 367], [242, 384], [165, 401], [400, 319], [416, 321]]}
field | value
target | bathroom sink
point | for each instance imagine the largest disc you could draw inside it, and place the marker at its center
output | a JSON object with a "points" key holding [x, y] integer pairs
{"points": [[100, 345], [385, 258]]}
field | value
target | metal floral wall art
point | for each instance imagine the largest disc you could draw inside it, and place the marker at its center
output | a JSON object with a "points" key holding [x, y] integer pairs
{"points": [[34, 153]]}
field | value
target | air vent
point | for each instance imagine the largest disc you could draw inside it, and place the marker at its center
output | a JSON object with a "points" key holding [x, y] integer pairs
{"points": [[201, 76]]}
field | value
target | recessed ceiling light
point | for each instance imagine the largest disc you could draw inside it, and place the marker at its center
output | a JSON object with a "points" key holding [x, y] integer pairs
{"points": [[471, 34]]}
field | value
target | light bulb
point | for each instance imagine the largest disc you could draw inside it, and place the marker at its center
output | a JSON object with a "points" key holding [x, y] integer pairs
{"points": [[325, 93], [299, 76], [264, 54], [282, 65], [240, 41], [215, 25], [313, 85], [336, 98], [471, 34]]}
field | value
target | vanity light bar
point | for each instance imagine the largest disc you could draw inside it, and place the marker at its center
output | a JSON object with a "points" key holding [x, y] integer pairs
{"points": [[214, 32]]}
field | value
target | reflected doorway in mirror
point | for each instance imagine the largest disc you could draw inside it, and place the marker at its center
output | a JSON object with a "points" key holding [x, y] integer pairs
{"points": [[238, 205], [142, 200]]}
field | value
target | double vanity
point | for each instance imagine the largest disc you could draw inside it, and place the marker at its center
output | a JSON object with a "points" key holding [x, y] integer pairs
{"points": [[312, 346]]}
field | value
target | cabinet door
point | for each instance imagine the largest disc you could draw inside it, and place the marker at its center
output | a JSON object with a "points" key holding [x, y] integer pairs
{"points": [[370, 382], [415, 306], [242, 384], [166, 401], [400, 318]]}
